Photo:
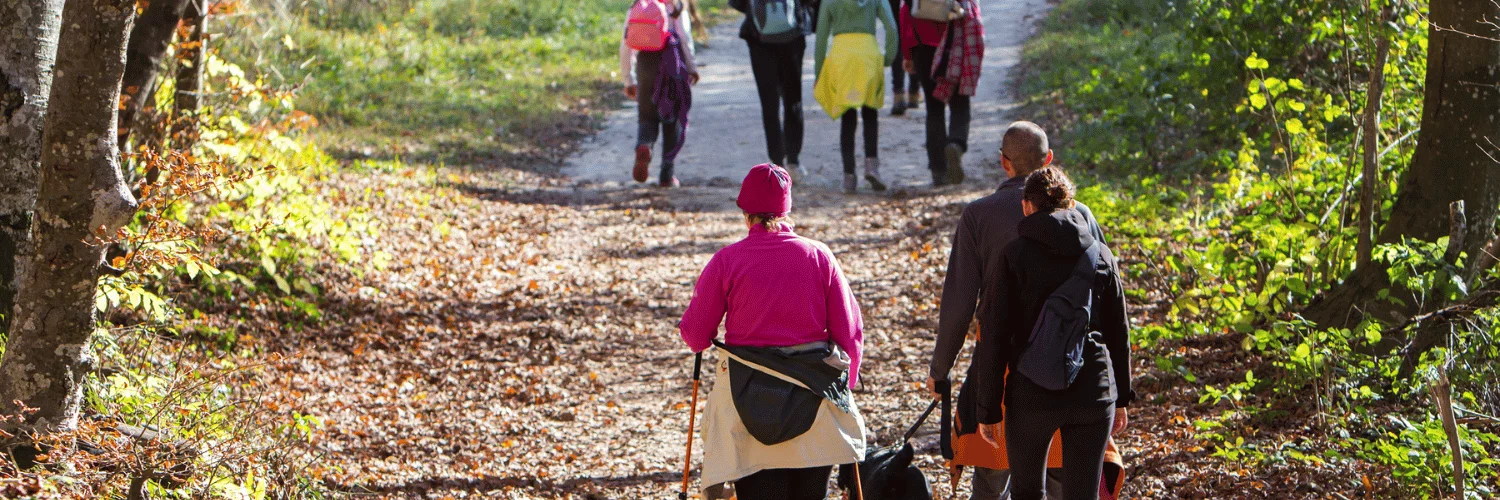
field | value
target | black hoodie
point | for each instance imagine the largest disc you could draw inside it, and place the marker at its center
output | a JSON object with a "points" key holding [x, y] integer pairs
{"points": [[1031, 268]]}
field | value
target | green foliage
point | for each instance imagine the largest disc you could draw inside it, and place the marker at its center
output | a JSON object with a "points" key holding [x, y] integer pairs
{"points": [[247, 209], [1147, 86], [464, 76], [1225, 137]]}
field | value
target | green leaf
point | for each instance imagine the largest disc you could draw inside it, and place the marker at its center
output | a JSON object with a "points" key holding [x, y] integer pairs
{"points": [[1258, 100], [282, 284], [1294, 126], [1255, 62]]}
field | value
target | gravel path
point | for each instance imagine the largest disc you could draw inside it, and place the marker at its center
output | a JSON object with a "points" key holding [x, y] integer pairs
{"points": [[726, 138]]}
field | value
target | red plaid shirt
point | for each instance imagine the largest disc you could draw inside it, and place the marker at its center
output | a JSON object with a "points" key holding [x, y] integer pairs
{"points": [[965, 55]]}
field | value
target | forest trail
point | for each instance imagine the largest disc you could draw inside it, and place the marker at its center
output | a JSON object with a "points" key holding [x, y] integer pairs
{"points": [[521, 344]]}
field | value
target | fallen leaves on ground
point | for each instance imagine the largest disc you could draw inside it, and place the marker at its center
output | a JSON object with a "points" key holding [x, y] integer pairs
{"points": [[521, 343]]}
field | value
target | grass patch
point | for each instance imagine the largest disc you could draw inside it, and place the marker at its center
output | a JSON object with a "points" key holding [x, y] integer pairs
{"points": [[448, 80]]}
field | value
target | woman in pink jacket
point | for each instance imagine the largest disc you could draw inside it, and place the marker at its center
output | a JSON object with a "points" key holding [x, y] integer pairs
{"points": [[790, 323]]}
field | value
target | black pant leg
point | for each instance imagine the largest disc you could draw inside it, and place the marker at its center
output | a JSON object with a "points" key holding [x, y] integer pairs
{"points": [[936, 120], [671, 136], [790, 75], [872, 131], [810, 483], [898, 75], [767, 72], [958, 131], [1083, 452], [1028, 439], [784, 484], [848, 123], [647, 65]]}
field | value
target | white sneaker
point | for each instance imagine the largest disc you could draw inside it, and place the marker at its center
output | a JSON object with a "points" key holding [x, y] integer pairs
{"points": [[872, 174], [797, 171]]}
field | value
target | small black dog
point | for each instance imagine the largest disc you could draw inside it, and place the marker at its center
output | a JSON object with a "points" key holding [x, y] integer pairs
{"points": [[887, 474]]}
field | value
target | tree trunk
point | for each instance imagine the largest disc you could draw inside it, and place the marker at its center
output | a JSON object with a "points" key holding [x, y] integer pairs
{"points": [[149, 41], [1454, 159], [28, 46], [1372, 138], [81, 196], [190, 73]]}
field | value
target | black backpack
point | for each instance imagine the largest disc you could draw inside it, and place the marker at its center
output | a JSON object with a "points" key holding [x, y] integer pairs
{"points": [[1053, 354]]}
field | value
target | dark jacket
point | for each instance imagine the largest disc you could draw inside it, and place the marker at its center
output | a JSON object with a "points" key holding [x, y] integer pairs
{"points": [[1030, 269], [808, 17], [986, 227]]}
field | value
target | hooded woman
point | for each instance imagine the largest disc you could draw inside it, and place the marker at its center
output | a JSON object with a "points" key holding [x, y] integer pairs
{"points": [[1055, 244], [781, 413]]}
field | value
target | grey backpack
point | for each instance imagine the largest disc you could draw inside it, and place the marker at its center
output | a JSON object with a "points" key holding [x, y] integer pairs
{"points": [[1053, 354], [777, 21]]}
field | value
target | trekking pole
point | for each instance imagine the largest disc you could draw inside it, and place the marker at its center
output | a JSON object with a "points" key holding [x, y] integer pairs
{"points": [[687, 462]]}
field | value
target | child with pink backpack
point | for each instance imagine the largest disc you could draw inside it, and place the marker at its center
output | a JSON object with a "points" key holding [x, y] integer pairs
{"points": [[656, 62]]}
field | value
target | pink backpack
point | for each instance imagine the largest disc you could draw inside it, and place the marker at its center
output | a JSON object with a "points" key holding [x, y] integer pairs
{"points": [[647, 26]]}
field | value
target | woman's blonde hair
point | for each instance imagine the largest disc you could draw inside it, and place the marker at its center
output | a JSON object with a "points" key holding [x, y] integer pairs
{"points": [[770, 222]]}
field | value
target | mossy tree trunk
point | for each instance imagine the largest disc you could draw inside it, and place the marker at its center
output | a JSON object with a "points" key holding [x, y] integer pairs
{"points": [[1455, 159], [28, 44], [81, 197]]}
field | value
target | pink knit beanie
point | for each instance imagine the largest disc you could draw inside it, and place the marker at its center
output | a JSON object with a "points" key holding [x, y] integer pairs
{"points": [[767, 190]]}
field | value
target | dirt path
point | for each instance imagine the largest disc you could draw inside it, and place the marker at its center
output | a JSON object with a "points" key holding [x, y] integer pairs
{"points": [[521, 343], [726, 137]]}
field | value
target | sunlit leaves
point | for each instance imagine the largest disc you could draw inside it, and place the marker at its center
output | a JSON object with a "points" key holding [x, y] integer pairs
{"points": [[1255, 62]]}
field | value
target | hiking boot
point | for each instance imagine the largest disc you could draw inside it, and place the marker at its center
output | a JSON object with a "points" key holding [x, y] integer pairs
{"points": [[850, 182], [955, 156], [797, 172], [899, 108], [939, 178], [642, 162], [872, 174], [667, 180]]}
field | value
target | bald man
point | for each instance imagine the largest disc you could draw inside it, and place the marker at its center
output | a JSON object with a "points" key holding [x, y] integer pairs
{"points": [[985, 228]]}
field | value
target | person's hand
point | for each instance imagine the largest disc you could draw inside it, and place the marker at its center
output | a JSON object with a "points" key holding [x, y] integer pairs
{"points": [[932, 388], [1122, 419], [990, 433], [631, 91], [693, 78], [909, 67]]}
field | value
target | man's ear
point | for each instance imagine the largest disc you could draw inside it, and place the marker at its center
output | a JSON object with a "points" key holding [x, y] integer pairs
{"points": [[1048, 161]]}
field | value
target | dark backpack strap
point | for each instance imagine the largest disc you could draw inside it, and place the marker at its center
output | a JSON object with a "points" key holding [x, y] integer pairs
{"points": [[1089, 261], [945, 423]]}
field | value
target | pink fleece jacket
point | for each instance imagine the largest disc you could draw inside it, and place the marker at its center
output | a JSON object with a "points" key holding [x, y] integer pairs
{"points": [[778, 289]]}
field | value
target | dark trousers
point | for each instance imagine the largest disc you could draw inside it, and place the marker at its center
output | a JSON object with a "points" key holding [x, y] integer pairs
{"points": [[778, 80], [850, 122], [898, 75], [1033, 416], [942, 128], [785, 484], [649, 122]]}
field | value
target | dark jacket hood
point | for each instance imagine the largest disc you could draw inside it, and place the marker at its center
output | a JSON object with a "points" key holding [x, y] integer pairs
{"points": [[1063, 232]]}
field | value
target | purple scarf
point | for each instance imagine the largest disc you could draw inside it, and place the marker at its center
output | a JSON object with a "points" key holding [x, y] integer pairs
{"points": [[674, 94]]}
